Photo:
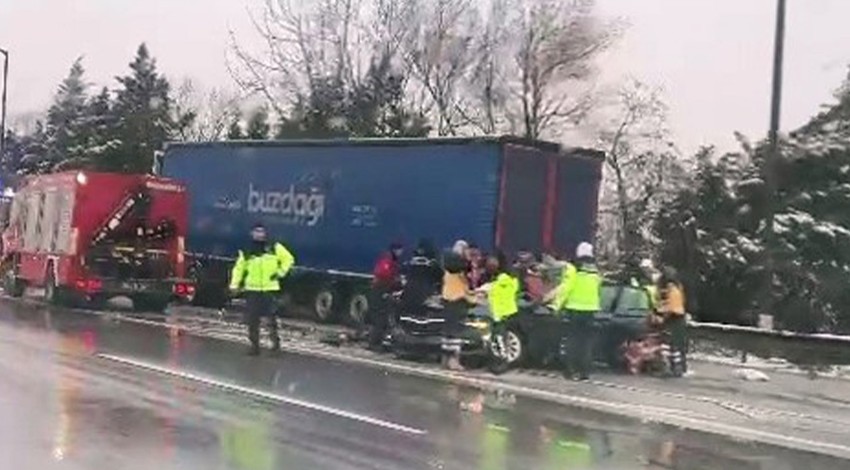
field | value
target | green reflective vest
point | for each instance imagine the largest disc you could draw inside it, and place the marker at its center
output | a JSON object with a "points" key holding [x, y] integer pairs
{"points": [[652, 292], [561, 291], [502, 297], [261, 272], [580, 291]]}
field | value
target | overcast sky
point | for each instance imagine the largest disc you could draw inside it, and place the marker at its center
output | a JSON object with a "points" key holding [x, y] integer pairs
{"points": [[712, 57]]}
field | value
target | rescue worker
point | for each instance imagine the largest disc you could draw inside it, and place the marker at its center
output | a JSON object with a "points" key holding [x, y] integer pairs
{"points": [[578, 301], [642, 276], [649, 281], [258, 272], [502, 299], [672, 308], [386, 280], [457, 300], [423, 277]]}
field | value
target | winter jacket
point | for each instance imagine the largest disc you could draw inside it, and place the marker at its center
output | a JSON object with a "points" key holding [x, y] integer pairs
{"points": [[423, 277], [261, 268], [580, 290], [386, 275], [502, 297], [672, 300]]}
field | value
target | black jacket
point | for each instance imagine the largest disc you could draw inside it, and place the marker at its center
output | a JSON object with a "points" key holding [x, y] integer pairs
{"points": [[424, 277]]}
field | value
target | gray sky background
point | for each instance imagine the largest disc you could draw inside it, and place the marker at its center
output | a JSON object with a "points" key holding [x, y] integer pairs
{"points": [[712, 57]]}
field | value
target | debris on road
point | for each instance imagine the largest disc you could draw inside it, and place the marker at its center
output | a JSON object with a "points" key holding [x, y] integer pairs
{"points": [[750, 375]]}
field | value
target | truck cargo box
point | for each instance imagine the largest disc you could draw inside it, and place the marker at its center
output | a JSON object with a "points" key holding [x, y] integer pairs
{"points": [[338, 203]]}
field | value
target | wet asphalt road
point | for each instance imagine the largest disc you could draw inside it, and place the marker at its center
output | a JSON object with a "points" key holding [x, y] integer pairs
{"points": [[84, 392]]}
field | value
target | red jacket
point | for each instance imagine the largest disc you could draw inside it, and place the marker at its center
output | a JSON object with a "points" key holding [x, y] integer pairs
{"points": [[386, 273]]}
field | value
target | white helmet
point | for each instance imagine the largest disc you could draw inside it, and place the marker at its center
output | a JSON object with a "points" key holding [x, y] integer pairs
{"points": [[460, 247], [584, 250]]}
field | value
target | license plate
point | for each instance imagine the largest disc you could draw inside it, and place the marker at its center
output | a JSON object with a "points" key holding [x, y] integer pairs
{"points": [[135, 286]]}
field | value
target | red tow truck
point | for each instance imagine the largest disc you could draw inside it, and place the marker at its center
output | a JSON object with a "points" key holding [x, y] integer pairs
{"points": [[87, 237]]}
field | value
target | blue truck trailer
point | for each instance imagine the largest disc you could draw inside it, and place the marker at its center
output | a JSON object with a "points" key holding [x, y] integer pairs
{"points": [[338, 203]]}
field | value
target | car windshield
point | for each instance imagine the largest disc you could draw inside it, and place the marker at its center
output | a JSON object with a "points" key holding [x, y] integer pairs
{"points": [[624, 300]]}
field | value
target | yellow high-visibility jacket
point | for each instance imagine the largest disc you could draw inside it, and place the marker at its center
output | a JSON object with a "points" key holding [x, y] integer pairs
{"points": [[580, 290], [502, 297], [261, 272], [672, 300]]}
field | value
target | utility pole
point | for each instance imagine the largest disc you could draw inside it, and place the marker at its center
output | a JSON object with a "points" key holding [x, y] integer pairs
{"points": [[3, 102], [773, 154]]}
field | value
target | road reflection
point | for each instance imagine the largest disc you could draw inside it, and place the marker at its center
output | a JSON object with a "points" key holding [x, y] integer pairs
{"points": [[166, 422]]}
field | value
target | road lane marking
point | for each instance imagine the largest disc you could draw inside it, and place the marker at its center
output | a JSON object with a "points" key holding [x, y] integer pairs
{"points": [[660, 414], [231, 387]]}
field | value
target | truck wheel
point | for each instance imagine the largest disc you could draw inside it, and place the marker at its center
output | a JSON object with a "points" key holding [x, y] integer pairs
{"points": [[358, 307], [12, 285], [151, 303], [323, 304], [53, 294]]}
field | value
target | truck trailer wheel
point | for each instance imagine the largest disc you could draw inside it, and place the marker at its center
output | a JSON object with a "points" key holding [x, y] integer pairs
{"points": [[358, 307], [324, 303]]}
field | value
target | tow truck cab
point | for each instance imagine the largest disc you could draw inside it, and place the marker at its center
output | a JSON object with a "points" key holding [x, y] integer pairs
{"points": [[93, 236]]}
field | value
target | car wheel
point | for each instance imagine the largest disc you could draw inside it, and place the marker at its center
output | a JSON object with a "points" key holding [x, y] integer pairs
{"points": [[323, 304], [12, 285], [358, 307], [514, 352]]}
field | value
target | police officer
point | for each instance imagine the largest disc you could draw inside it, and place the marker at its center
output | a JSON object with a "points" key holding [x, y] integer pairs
{"points": [[578, 301], [502, 298], [258, 271]]}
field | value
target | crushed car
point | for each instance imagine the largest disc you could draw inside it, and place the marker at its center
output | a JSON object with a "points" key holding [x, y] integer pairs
{"points": [[532, 334]]}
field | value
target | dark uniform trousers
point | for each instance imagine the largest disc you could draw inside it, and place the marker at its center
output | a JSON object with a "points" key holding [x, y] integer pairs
{"points": [[577, 338], [259, 305]]}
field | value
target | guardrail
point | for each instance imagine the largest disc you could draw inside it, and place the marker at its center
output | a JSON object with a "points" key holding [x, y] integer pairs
{"points": [[806, 350]]}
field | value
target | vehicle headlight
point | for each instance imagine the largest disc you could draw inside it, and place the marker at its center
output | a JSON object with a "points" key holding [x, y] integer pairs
{"points": [[478, 324]]}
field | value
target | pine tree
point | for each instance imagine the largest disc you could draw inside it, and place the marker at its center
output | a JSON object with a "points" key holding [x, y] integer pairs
{"points": [[812, 223], [66, 120], [234, 132], [144, 120], [258, 125], [715, 230], [372, 107], [101, 132]]}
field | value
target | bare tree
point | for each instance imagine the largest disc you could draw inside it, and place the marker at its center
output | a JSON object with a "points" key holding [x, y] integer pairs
{"points": [[440, 55], [210, 112], [485, 84], [470, 66], [642, 167], [308, 45], [556, 42]]}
